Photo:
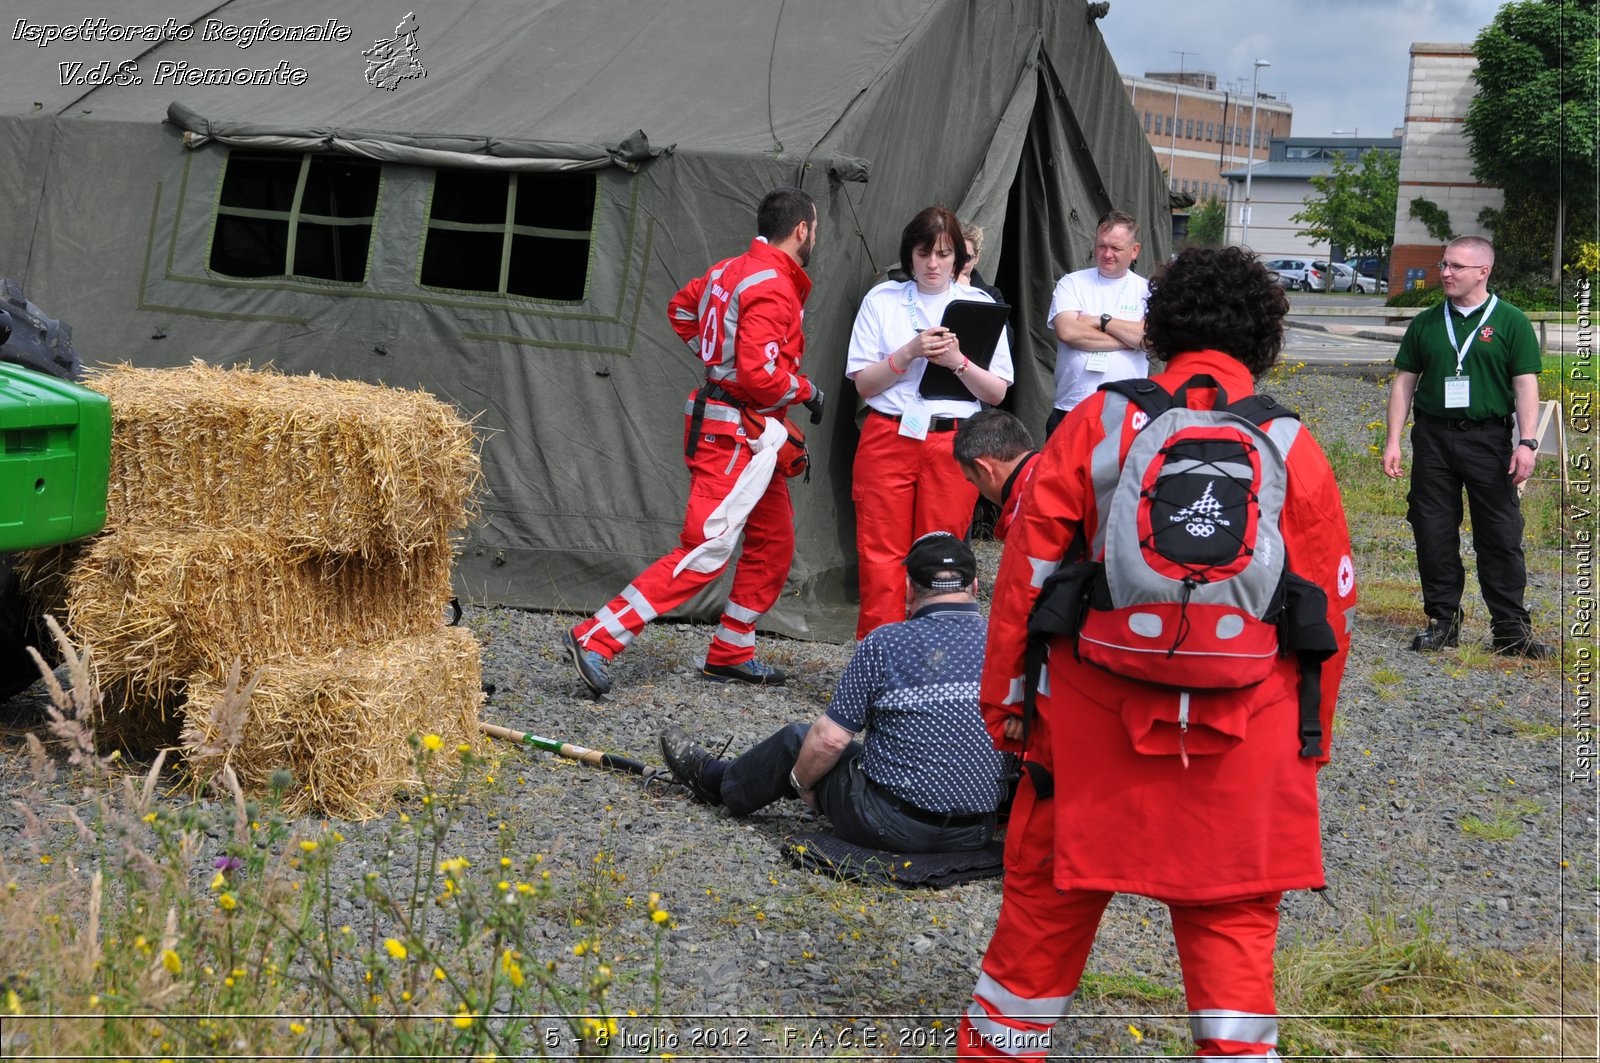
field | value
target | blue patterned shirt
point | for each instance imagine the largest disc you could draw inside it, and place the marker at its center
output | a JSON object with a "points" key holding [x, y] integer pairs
{"points": [[913, 687]]}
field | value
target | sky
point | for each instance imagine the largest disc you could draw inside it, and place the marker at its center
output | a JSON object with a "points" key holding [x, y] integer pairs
{"points": [[1341, 63]]}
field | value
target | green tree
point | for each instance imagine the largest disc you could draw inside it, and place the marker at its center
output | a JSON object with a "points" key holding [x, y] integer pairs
{"points": [[1356, 210], [1533, 123], [1207, 223]]}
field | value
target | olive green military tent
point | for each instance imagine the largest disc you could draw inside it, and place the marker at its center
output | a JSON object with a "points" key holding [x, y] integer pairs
{"points": [[495, 200]]}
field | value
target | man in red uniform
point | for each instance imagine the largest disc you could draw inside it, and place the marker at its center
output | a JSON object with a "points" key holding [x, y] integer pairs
{"points": [[1217, 832], [995, 453], [743, 318]]}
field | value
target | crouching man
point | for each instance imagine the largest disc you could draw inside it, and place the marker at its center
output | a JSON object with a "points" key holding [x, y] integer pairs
{"points": [[924, 775]]}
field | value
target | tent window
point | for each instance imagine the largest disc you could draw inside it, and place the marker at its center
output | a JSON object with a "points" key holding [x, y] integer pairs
{"points": [[524, 234], [295, 215]]}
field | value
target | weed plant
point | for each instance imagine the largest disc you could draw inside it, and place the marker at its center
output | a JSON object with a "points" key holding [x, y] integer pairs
{"points": [[117, 947]]}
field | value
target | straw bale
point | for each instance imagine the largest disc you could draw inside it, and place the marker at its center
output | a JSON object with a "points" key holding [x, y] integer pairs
{"points": [[157, 606], [333, 465], [340, 722]]}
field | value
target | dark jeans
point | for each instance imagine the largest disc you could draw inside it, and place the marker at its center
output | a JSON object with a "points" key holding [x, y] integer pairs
{"points": [[1446, 457], [860, 812]]}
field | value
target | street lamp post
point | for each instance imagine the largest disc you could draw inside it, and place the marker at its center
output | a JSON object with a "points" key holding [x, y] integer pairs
{"points": [[1250, 155]]}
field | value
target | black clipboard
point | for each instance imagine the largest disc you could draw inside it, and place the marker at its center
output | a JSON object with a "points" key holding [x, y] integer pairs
{"points": [[978, 326]]}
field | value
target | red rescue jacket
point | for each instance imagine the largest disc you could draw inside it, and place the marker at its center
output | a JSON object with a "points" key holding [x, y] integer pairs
{"points": [[1231, 824], [743, 319]]}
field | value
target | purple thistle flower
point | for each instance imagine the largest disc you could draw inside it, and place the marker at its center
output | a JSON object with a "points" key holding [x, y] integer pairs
{"points": [[227, 863]]}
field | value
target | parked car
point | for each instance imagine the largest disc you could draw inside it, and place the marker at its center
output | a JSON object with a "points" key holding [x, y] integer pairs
{"points": [[1346, 279], [1300, 274]]}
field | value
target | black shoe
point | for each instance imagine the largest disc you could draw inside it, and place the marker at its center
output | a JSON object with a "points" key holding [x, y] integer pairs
{"points": [[591, 666], [1439, 634], [686, 759], [751, 671], [1524, 646]]}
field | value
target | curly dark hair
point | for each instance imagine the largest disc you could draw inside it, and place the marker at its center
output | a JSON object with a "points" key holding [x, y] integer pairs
{"points": [[1223, 299]]}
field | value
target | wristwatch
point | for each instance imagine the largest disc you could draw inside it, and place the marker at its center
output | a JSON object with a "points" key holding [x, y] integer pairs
{"points": [[1531, 444], [795, 782], [1105, 319]]}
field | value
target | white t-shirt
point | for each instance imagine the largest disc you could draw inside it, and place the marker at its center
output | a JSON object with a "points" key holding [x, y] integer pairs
{"points": [[1087, 292], [890, 315]]}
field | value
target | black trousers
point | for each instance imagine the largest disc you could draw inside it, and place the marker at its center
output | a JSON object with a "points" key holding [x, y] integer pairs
{"points": [[859, 811], [1448, 456]]}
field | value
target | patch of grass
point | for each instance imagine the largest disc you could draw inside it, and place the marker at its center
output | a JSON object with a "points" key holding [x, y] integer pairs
{"points": [[1535, 729], [1395, 602], [1398, 991], [1504, 824], [1566, 376], [1127, 992]]}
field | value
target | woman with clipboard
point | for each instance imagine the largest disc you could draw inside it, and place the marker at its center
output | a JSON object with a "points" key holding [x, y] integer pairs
{"points": [[918, 384]]}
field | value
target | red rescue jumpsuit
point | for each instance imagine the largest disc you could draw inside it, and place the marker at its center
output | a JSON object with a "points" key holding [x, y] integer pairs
{"points": [[1012, 494], [1217, 841], [744, 320]]}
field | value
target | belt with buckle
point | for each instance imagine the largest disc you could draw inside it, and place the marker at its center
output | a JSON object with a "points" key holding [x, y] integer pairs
{"points": [[932, 819], [938, 424], [1461, 424]]}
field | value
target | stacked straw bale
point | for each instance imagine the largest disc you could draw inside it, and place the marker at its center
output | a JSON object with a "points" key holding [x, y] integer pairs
{"points": [[298, 525]]}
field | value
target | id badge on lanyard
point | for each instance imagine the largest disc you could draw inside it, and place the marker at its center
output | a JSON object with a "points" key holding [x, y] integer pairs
{"points": [[914, 420], [1458, 389], [1096, 361]]}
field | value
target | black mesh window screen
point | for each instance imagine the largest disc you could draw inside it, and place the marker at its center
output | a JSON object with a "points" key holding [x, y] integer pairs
{"points": [[523, 234], [286, 215]]}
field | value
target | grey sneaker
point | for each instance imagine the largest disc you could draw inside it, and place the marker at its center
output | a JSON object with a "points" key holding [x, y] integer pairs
{"points": [[591, 666], [686, 759], [751, 671]]}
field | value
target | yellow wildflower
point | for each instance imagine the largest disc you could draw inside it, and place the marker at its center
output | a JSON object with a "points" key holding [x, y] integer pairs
{"points": [[394, 948], [170, 961], [227, 902], [297, 1028], [433, 743], [463, 1021], [659, 916], [308, 847]]}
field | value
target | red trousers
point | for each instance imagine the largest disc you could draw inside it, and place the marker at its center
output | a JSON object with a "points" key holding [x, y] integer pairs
{"points": [[903, 488], [758, 576], [1042, 940]]}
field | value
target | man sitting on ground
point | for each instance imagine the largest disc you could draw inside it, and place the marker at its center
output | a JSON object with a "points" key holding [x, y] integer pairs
{"points": [[926, 777], [995, 453]]}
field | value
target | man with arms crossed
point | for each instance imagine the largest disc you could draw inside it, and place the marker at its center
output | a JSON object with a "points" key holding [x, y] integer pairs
{"points": [[1097, 315], [1468, 373]]}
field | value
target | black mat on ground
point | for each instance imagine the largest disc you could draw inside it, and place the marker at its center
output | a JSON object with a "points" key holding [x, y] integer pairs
{"points": [[832, 855]]}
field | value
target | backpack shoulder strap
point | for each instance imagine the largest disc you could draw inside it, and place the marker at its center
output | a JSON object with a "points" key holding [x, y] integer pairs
{"points": [[1258, 409], [1144, 393]]}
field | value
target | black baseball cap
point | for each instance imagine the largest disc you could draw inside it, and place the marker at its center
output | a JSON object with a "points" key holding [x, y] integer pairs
{"points": [[938, 553]]}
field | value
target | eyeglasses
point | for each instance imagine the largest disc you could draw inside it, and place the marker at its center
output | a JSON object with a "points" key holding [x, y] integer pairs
{"points": [[1457, 267]]}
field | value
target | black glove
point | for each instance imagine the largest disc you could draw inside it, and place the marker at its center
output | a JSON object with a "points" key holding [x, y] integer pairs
{"points": [[814, 404]]}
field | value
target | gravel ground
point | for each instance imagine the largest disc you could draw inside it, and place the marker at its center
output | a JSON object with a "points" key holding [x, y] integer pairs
{"points": [[1422, 744]]}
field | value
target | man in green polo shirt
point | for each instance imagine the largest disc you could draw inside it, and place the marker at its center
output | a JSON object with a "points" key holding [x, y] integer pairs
{"points": [[1468, 372]]}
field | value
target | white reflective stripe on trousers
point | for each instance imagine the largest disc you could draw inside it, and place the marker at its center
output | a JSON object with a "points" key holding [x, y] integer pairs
{"points": [[1008, 1039], [640, 603], [742, 639], [735, 611], [1221, 1024]]}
